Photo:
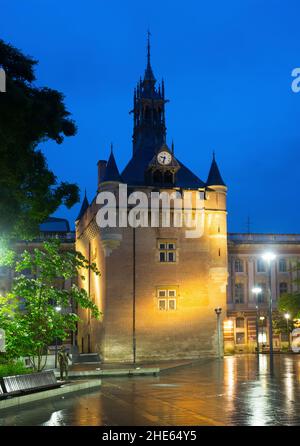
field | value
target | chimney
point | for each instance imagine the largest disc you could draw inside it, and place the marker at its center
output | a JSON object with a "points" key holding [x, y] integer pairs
{"points": [[101, 171]]}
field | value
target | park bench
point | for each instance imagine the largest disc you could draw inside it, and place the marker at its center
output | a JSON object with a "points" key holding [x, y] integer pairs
{"points": [[29, 383]]}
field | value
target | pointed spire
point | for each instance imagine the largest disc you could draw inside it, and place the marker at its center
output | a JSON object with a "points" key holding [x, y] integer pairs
{"points": [[148, 47], [84, 206], [112, 172], [214, 176], [149, 76], [172, 146]]}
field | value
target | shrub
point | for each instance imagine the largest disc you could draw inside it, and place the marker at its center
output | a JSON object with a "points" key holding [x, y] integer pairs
{"points": [[13, 368]]}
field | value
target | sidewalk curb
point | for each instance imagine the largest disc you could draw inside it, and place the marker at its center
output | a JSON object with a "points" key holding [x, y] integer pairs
{"points": [[111, 372]]}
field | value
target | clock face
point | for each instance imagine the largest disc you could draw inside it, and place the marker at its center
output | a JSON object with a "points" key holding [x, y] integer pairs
{"points": [[164, 158]]}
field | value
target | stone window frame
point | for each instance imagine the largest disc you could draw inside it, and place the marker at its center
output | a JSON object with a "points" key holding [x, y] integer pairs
{"points": [[282, 261], [241, 330], [280, 287], [241, 263], [261, 266], [242, 286], [262, 298], [166, 250], [167, 297]]}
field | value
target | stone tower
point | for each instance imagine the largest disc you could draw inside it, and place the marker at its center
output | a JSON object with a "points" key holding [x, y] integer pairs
{"points": [[158, 288]]}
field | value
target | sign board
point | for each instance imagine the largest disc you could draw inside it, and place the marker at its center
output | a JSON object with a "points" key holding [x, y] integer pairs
{"points": [[296, 340], [2, 340]]}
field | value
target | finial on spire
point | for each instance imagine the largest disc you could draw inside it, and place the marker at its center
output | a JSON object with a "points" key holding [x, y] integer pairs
{"points": [[148, 46], [149, 76], [214, 155], [111, 147]]}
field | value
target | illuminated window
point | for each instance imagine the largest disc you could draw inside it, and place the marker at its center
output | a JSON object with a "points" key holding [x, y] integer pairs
{"points": [[261, 266], [239, 293], [239, 266], [283, 288], [167, 300], [167, 252], [262, 336], [282, 266]]}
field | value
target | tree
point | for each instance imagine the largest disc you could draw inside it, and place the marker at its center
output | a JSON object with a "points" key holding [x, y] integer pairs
{"points": [[29, 115], [280, 324], [28, 313]]}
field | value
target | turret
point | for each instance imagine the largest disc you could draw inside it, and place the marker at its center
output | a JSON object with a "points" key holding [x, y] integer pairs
{"points": [[84, 207]]}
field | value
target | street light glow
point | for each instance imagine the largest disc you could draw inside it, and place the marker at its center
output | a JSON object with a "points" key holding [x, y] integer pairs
{"points": [[58, 309], [269, 256], [256, 290], [287, 316]]}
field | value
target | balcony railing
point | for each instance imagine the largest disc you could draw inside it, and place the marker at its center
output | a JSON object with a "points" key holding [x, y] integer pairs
{"points": [[264, 238]]}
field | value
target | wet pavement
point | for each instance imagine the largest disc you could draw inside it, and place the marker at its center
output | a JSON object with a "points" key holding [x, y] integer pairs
{"points": [[233, 391]]}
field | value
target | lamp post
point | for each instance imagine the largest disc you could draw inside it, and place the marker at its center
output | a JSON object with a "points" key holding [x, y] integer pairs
{"points": [[256, 291], [58, 309], [287, 317], [218, 312], [268, 257]]}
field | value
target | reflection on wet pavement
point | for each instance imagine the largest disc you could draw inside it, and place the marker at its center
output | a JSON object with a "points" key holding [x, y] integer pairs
{"points": [[233, 391]]}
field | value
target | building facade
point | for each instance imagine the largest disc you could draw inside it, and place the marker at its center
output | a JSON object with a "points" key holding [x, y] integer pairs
{"points": [[247, 270], [158, 289]]}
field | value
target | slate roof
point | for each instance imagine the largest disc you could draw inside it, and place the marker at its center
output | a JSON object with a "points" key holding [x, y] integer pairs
{"points": [[112, 172], [84, 206], [214, 176], [134, 172]]}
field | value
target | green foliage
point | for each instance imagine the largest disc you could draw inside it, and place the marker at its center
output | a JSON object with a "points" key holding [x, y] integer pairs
{"points": [[280, 324], [29, 116], [28, 313], [290, 303], [12, 368]]}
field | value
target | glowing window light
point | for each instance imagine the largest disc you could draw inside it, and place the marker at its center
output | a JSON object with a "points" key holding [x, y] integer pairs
{"points": [[228, 324], [262, 338]]}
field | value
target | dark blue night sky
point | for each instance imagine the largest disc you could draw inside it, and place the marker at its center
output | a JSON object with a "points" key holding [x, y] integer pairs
{"points": [[227, 69]]}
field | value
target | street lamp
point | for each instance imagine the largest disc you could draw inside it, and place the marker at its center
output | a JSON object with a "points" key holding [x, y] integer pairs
{"points": [[218, 312], [287, 317], [58, 309], [269, 257], [256, 291]]}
